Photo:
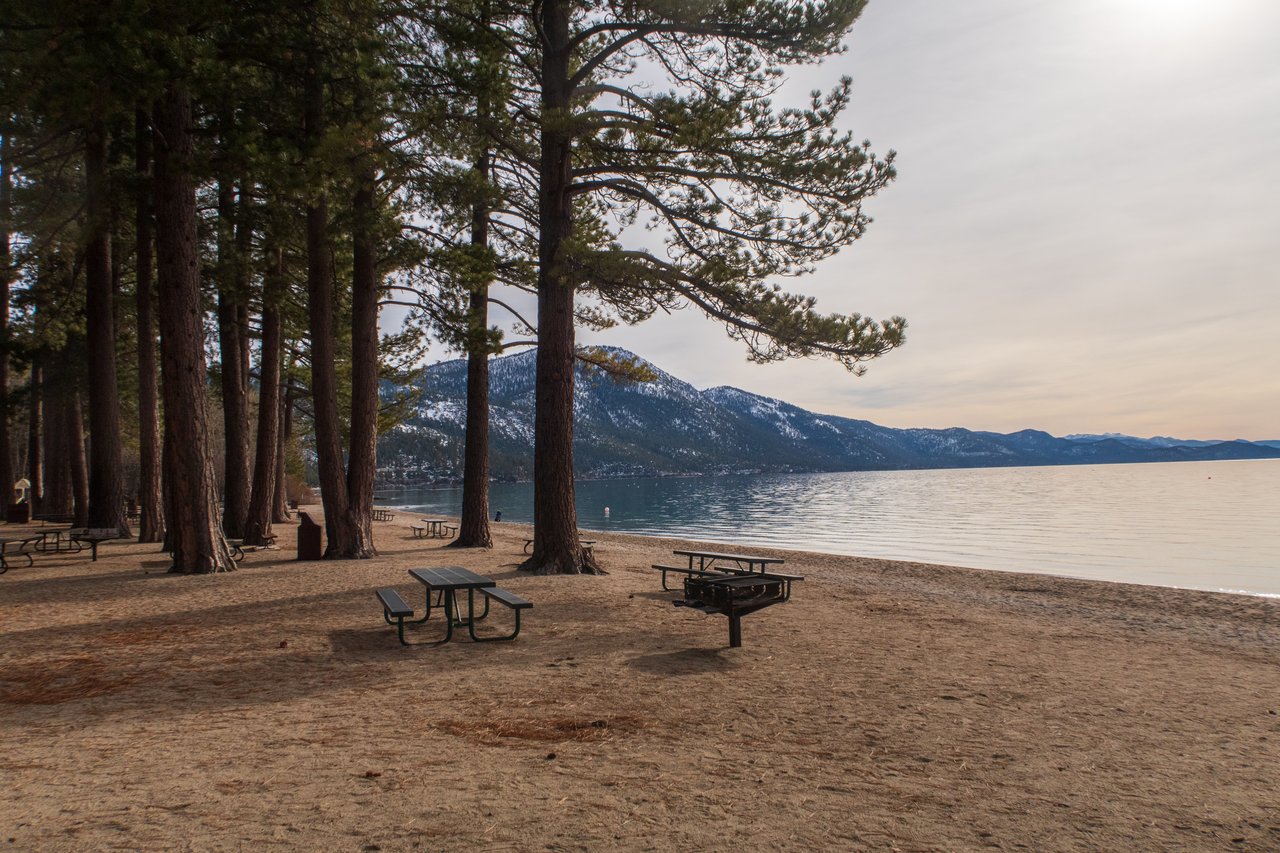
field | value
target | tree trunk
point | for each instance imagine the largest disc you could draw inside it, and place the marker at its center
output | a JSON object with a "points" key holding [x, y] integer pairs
{"points": [[556, 549], [6, 259], [197, 540], [473, 527], [262, 503], [73, 435], [362, 461], [235, 403], [341, 532], [57, 467], [280, 508], [35, 436], [106, 480], [150, 503]]}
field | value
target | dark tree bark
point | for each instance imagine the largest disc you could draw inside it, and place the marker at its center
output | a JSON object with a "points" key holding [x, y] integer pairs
{"points": [[150, 502], [473, 526], [81, 504], [362, 460], [198, 544], [106, 480], [339, 528], [280, 506], [57, 467], [262, 503], [6, 275], [35, 437], [235, 401], [556, 547]]}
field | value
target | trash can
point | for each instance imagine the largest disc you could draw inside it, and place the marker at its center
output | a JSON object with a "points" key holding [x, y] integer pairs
{"points": [[308, 538]]}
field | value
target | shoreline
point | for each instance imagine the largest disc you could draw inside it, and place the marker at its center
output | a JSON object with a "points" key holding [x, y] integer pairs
{"points": [[888, 704], [1202, 526]]}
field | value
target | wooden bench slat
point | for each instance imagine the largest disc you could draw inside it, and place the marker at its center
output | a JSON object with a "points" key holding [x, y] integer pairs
{"points": [[510, 599], [393, 604]]}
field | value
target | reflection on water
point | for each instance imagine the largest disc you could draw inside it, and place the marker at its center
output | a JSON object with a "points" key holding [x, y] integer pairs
{"points": [[1204, 525]]}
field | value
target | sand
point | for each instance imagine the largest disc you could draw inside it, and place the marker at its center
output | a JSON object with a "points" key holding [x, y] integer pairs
{"points": [[887, 706]]}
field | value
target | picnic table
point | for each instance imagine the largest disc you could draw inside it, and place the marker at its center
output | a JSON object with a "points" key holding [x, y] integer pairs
{"points": [[52, 539], [94, 535], [22, 546], [707, 560], [446, 582], [383, 515], [433, 527]]}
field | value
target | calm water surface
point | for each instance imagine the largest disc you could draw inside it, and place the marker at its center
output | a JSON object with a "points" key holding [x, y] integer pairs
{"points": [[1202, 525]]}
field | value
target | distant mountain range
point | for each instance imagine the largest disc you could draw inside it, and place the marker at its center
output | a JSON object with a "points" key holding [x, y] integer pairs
{"points": [[668, 427]]}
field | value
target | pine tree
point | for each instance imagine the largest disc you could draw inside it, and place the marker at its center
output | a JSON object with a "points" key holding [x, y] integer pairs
{"points": [[743, 192]]}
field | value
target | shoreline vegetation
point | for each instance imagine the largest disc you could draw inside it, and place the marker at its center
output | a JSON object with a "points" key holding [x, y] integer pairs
{"points": [[888, 705]]}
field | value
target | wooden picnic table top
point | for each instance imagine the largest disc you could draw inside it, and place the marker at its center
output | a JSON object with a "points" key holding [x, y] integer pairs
{"points": [[737, 558], [451, 577]]}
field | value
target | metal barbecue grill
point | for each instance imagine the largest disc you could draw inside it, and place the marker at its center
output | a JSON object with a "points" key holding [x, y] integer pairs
{"points": [[735, 596]]}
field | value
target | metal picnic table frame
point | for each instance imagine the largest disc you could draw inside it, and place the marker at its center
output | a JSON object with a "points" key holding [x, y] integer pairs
{"points": [[448, 581]]}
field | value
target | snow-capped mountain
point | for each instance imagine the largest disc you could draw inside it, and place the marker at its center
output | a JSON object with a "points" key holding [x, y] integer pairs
{"points": [[668, 427]]}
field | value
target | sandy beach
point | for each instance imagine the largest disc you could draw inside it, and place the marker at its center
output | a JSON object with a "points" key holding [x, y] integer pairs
{"points": [[887, 706]]}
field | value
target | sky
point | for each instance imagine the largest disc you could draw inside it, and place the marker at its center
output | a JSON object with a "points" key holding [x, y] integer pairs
{"points": [[1084, 235]]}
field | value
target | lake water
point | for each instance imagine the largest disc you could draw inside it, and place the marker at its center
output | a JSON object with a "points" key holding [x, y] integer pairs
{"points": [[1200, 525]]}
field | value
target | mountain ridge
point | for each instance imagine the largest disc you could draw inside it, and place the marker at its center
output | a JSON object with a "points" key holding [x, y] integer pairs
{"points": [[668, 427]]}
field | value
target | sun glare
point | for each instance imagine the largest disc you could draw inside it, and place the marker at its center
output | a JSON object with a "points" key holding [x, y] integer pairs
{"points": [[1176, 17]]}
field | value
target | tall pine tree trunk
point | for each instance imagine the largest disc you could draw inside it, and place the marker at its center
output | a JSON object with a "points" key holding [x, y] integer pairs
{"points": [[81, 502], [6, 275], [280, 508], [262, 503], [57, 467], [106, 480], [473, 526], [362, 461], [556, 547], [197, 541], [150, 500], [235, 403], [35, 436], [324, 383]]}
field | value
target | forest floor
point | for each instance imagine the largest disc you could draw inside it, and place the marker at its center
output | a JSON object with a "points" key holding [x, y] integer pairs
{"points": [[887, 706]]}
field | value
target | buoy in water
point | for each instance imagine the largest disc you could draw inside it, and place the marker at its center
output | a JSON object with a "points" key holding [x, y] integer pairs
{"points": [[606, 512]]}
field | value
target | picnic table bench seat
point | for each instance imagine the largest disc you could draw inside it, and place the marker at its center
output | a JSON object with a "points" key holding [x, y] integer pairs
{"points": [[587, 544], [505, 597], [686, 571], [394, 607], [25, 545]]}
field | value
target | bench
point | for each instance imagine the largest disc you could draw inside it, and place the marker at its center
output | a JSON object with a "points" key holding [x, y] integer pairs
{"points": [[448, 531], [25, 545], [419, 530], [394, 607], [502, 596], [94, 535], [684, 570], [587, 545]]}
